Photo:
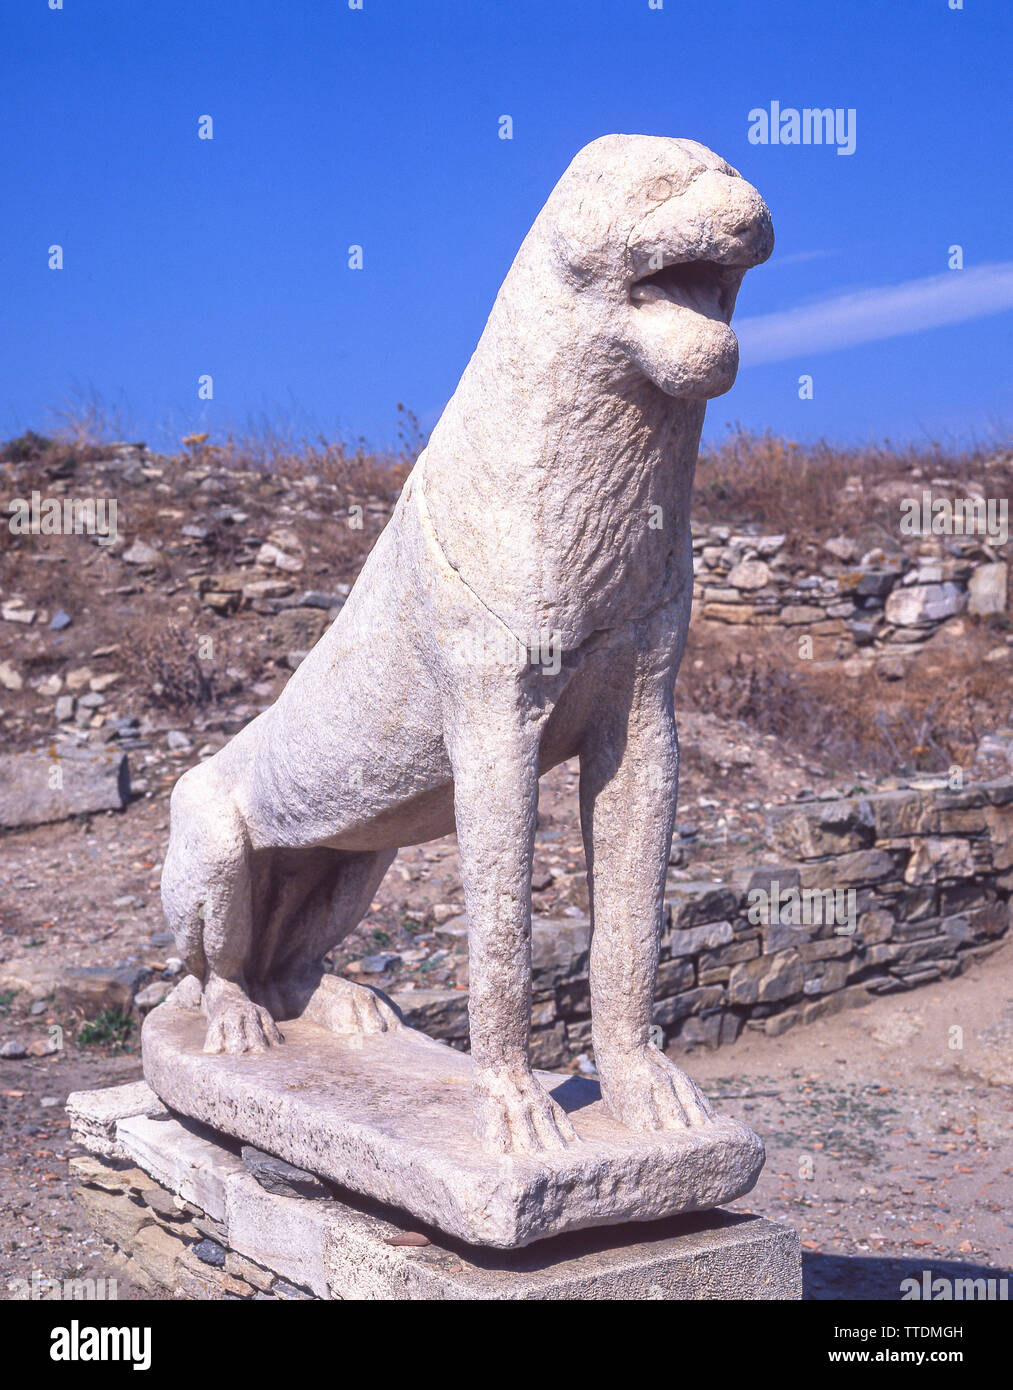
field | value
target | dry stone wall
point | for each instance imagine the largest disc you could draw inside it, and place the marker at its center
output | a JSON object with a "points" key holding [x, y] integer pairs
{"points": [[868, 895], [873, 606]]}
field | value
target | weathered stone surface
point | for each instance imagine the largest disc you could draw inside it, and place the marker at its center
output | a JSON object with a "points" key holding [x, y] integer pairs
{"points": [[442, 1013], [549, 1047], [281, 1178], [988, 589], [95, 1114], [935, 858], [388, 1115], [92, 989], [793, 614], [771, 879], [335, 1250], [284, 1233], [910, 952], [767, 978], [673, 977], [817, 828], [848, 870], [875, 926], [678, 1006], [119, 1220], [720, 1256], [559, 950], [1000, 830], [728, 612], [67, 780], [435, 699], [690, 940], [175, 1153], [913, 604], [749, 574], [695, 902]]}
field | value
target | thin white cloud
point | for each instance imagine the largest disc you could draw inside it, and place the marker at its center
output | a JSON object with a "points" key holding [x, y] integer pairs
{"points": [[866, 316], [797, 257]]}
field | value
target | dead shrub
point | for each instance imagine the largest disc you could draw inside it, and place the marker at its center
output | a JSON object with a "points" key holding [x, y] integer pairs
{"points": [[812, 491], [167, 667]]}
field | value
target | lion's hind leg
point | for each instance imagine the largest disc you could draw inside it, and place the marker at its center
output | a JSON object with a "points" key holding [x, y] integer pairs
{"points": [[318, 897], [207, 898]]}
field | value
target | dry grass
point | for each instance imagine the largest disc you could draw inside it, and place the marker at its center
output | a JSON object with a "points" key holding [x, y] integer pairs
{"points": [[817, 490], [927, 722]]}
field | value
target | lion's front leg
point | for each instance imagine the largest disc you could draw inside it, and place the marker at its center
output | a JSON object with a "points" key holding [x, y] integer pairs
{"points": [[494, 753], [628, 784]]}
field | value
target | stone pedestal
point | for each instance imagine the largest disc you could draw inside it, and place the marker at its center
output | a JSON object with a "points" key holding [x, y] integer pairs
{"points": [[389, 1116], [180, 1210]]}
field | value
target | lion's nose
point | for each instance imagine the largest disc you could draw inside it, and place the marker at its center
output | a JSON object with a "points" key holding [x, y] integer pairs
{"points": [[751, 228]]}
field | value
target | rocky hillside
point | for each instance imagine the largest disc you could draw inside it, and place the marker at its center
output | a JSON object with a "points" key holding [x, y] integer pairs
{"points": [[818, 663]]}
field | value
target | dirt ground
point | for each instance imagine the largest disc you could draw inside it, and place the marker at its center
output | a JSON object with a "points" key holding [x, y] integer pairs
{"points": [[888, 1131]]}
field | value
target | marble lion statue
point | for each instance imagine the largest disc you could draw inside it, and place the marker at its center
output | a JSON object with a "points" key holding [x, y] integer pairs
{"points": [[527, 603]]}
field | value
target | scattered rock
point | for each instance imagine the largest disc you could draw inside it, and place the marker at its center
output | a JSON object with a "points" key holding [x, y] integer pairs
{"points": [[37, 787], [141, 554], [99, 683], [15, 612], [749, 574], [152, 995], [378, 964], [842, 548], [258, 589], [9, 677], [987, 589], [281, 1178], [269, 555], [210, 1252]]}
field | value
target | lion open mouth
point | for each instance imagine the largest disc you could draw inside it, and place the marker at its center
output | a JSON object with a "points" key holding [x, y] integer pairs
{"points": [[700, 286]]}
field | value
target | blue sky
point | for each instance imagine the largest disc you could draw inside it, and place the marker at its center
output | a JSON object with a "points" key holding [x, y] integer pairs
{"points": [[379, 127]]}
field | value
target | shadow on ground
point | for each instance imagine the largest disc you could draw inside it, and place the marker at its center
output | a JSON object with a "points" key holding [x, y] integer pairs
{"points": [[855, 1277]]}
